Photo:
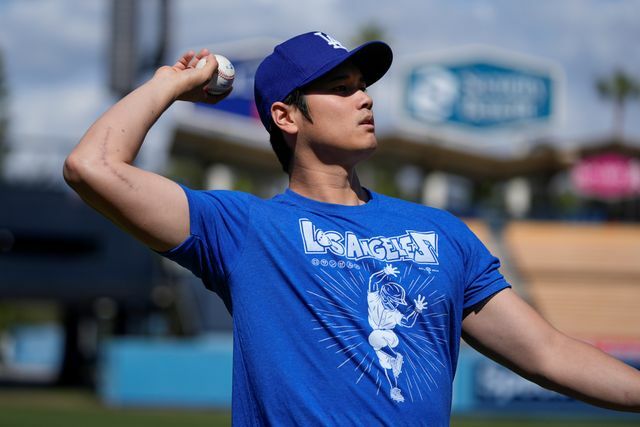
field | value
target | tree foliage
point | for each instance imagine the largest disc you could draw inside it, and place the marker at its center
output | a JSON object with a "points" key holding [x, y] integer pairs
{"points": [[619, 88], [368, 32], [4, 109]]}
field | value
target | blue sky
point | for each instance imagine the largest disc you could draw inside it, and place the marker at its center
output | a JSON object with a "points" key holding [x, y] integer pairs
{"points": [[55, 51]]}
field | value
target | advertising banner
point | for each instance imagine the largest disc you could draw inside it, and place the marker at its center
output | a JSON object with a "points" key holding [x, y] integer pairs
{"points": [[608, 176], [482, 385], [477, 94], [478, 97]]}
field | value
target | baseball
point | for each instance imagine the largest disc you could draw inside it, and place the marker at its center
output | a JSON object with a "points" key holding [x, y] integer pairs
{"points": [[224, 80]]}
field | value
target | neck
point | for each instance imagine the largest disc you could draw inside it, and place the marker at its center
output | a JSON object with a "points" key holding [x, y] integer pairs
{"points": [[333, 184]]}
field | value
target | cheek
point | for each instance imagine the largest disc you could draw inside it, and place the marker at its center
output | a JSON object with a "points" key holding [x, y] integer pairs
{"points": [[330, 124], [331, 110], [329, 116]]}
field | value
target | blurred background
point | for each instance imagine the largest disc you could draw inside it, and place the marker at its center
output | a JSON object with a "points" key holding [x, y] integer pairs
{"points": [[521, 117]]}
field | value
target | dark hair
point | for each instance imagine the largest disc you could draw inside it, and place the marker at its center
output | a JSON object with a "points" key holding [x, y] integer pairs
{"points": [[279, 145]]}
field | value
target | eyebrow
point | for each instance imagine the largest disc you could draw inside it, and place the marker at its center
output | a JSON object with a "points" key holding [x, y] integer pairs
{"points": [[338, 77], [344, 76]]}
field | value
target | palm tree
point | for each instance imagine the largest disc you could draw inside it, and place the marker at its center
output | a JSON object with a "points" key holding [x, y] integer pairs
{"points": [[4, 110], [368, 32], [619, 87]]}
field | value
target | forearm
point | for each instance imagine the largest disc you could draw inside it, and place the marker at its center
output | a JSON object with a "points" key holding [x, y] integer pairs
{"points": [[509, 331], [147, 205], [116, 137], [100, 167], [586, 373], [409, 319], [374, 280]]}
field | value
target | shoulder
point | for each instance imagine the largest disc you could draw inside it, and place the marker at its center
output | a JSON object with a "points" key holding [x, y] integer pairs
{"points": [[220, 197], [418, 211], [427, 218], [206, 206], [220, 194], [373, 297]]}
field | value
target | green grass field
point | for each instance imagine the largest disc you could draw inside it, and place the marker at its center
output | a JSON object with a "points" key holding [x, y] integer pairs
{"points": [[64, 408]]}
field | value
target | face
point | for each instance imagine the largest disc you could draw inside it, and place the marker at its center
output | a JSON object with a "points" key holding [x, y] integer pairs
{"points": [[342, 129]]}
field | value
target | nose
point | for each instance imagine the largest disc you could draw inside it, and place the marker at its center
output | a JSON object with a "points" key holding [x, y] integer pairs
{"points": [[365, 101]]}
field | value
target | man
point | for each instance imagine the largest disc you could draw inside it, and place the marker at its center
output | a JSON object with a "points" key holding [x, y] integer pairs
{"points": [[295, 270]]}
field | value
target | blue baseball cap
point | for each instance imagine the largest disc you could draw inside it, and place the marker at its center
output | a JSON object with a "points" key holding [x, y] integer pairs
{"points": [[304, 58]]}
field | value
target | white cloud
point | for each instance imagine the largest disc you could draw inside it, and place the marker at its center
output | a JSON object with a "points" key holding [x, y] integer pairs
{"points": [[62, 111], [45, 40], [56, 52], [203, 22]]}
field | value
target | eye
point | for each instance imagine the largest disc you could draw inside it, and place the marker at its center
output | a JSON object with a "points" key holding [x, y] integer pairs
{"points": [[341, 89]]}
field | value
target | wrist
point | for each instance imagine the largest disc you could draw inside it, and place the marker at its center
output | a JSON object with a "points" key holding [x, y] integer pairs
{"points": [[163, 90]]}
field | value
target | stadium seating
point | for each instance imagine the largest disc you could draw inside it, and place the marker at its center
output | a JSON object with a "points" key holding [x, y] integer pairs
{"points": [[583, 278]]}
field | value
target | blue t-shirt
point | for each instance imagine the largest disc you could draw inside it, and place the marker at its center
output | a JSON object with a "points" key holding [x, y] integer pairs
{"points": [[342, 315]]}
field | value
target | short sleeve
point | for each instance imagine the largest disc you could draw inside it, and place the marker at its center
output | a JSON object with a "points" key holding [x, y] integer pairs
{"points": [[218, 224], [482, 277]]}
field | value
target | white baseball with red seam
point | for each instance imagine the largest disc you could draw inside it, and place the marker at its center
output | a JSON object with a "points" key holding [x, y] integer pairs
{"points": [[224, 80]]}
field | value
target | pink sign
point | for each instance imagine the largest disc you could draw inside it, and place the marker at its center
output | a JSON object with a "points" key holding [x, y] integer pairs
{"points": [[607, 176]]}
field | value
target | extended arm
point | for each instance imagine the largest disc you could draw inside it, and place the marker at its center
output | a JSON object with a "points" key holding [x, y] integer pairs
{"points": [[509, 331], [409, 318], [100, 168]]}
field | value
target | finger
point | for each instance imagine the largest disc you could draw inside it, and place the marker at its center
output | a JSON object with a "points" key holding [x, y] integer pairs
{"points": [[203, 53], [198, 56], [193, 61], [207, 65], [183, 62]]}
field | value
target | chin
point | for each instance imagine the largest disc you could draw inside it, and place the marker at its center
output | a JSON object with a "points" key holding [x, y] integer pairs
{"points": [[373, 144], [366, 152], [351, 152], [368, 141]]}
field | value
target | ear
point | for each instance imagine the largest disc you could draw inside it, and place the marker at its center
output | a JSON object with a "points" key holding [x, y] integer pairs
{"points": [[283, 116]]}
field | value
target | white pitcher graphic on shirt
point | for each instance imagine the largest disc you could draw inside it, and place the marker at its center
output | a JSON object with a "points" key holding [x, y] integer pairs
{"points": [[384, 297]]}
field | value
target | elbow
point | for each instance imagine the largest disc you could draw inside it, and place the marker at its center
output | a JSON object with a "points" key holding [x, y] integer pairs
{"points": [[72, 170], [77, 169]]}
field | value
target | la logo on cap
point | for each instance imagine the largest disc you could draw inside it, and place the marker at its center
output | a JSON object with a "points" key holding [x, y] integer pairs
{"points": [[330, 40]]}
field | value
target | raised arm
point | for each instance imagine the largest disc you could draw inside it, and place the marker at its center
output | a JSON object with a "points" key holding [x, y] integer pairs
{"points": [[377, 277], [509, 331], [100, 168]]}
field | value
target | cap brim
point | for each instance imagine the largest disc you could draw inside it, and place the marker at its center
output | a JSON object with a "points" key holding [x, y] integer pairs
{"points": [[372, 58]]}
